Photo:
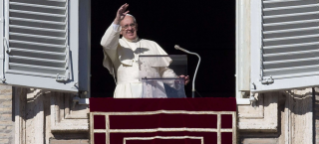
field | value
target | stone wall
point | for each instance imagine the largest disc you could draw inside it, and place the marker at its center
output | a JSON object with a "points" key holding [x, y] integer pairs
{"points": [[284, 117], [35, 116], [6, 118], [45, 117]]}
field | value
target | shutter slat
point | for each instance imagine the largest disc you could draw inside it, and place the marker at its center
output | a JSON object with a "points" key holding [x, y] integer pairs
{"points": [[290, 53], [287, 3], [37, 21], [295, 70], [38, 36], [291, 15], [49, 25], [37, 28], [296, 55], [291, 32], [303, 74], [36, 47], [38, 8], [38, 54], [290, 7], [38, 39], [31, 73], [38, 44], [290, 38], [291, 45], [292, 68], [291, 22], [57, 3], [300, 9], [37, 13], [38, 51], [37, 31], [39, 17], [287, 64], [36, 5], [38, 59], [278, 1], [286, 26], [35, 68], [290, 61]]}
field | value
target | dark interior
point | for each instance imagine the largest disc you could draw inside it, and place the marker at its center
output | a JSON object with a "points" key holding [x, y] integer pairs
{"points": [[202, 26]]}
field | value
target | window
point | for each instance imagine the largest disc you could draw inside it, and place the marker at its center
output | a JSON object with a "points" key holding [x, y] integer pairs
{"points": [[46, 44], [182, 23]]}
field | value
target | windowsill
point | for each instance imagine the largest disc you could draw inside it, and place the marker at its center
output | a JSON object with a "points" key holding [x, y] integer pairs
{"points": [[242, 101]]}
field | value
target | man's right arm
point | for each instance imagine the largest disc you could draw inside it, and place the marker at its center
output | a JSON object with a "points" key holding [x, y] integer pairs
{"points": [[110, 39]]}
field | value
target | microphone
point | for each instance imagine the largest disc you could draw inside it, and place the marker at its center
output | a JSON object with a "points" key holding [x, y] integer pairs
{"points": [[198, 63]]}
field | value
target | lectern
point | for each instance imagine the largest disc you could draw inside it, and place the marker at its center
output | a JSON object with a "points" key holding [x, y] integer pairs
{"points": [[159, 75]]}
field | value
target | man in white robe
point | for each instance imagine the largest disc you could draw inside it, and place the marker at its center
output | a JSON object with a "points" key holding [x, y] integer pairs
{"points": [[121, 54]]}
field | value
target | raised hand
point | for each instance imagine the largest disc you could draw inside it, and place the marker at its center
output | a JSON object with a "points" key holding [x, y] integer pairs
{"points": [[121, 12]]}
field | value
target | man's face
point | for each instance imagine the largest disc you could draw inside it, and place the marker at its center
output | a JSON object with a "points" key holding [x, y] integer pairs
{"points": [[129, 28]]}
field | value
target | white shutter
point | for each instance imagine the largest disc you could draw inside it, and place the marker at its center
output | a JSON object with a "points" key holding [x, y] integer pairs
{"points": [[42, 44], [284, 44]]}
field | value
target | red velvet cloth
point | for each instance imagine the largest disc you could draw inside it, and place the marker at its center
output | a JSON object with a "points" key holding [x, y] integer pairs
{"points": [[121, 117], [163, 121], [190, 104]]}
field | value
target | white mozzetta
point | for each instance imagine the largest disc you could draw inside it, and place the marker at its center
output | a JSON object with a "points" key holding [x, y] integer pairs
{"points": [[284, 44]]}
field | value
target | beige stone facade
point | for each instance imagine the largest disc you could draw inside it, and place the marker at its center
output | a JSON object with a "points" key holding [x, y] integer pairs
{"points": [[285, 117], [6, 115], [35, 116], [32, 116]]}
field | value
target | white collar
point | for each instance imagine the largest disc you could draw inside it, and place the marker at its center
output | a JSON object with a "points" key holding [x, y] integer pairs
{"points": [[131, 41]]}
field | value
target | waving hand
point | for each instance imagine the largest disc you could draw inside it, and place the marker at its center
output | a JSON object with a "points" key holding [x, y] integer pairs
{"points": [[121, 12]]}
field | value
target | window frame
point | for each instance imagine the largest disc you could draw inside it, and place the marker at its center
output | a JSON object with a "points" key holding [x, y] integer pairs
{"points": [[2, 57], [242, 51]]}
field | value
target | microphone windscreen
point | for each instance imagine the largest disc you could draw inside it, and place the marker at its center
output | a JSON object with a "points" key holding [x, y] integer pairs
{"points": [[176, 46]]}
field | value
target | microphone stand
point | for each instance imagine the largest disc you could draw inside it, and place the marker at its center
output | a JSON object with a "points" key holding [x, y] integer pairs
{"points": [[198, 63]]}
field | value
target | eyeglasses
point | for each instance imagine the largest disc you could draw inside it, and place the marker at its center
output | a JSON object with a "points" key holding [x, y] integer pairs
{"points": [[125, 27]]}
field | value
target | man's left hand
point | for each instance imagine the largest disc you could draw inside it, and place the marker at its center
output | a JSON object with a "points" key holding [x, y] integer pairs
{"points": [[186, 79]]}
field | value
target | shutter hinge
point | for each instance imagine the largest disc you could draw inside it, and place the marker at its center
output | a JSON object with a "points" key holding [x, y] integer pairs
{"points": [[6, 45], [76, 85], [267, 81], [3, 80]]}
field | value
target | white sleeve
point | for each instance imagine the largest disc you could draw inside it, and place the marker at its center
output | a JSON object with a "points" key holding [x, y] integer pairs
{"points": [[110, 39], [116, 27]]}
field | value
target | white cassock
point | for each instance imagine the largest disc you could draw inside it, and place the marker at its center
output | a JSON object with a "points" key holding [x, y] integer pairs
{"points": [[121, 59]]}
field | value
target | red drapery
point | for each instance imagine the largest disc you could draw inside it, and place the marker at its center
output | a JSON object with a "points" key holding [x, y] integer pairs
{"points": [[163, 121]]}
